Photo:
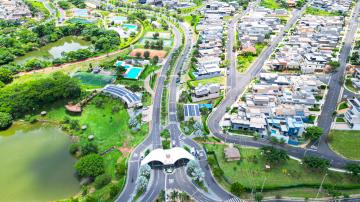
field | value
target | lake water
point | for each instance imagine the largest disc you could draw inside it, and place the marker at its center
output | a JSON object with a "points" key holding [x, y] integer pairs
{"points": [[53, 50], [36, 164]]}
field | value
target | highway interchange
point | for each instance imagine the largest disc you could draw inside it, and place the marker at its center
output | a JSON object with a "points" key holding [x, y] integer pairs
{"points": [[236, 85]]}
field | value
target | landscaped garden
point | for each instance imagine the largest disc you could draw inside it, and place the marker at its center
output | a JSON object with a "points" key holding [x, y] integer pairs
{"points": [[244, 60], [346, 143], [287, 177]]}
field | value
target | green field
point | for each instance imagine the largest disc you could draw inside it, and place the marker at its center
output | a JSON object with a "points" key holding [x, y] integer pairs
{"points": [[220, 80], [250, 172], [244, 61], [346, 143], [272, 4], [320, 12]]}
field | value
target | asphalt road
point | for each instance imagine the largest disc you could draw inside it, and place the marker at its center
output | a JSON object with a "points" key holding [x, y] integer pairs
{"points": [[153, 139], [326, 116], [177, 138], [231, 55]]}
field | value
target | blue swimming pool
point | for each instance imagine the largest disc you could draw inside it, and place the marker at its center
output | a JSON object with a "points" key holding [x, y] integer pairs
{"points": [[133, 73], [118, 63], [129, 26]]}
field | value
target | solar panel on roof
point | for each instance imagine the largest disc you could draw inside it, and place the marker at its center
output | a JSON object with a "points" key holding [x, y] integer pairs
{"points": [[197, 110], [186, 111], [191, 110]]}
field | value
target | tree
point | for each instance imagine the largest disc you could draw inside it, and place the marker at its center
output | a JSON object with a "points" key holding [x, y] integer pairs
{"points": [[198, 174], [174, 194], [155, 60], [145, 170], [120, 169], [313, 132], [138, 55], [353, 168], [91, 165], [334, 64], [191, 165], [114, 190], [258, 197], [102, 180], [273, 155], [237, 188], [141, 183], [146, 54], [132, 34], [64, 5], [103, 44], [147, 44], [88, 148], [156, 35], [218, 172], [5, 120], [316, 163], [5, 56], [5, 75]]}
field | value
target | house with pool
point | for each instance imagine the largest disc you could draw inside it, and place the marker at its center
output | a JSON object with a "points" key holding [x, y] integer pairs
{"points": [[131, 72]]}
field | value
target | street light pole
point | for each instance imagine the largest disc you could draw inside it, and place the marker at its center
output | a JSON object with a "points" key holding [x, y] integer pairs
{"points": [[262, 187], [321, 185]]}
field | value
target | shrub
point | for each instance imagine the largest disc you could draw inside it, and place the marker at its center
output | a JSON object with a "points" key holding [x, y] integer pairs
{"points": [[73, 148], [88, 148], [91, 165], [5, 120], [237, 189], [102, 180], [316, 163]]}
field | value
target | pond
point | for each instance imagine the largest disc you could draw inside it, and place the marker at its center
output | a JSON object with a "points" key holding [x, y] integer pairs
{"points": [[53, 50], [36, 164]]}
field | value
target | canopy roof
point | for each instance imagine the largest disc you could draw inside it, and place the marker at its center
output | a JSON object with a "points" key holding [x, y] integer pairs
{"points": [[168, 156]]}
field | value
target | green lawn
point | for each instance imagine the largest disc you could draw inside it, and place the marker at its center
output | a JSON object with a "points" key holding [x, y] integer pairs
{"points": [[340, 120], [38, 7], [320, 12], [148, 70], [220, 80], [250, 172], [244, 61], [343, 105], [349, 85], [347, 143], [109, 128], [272, 4]]}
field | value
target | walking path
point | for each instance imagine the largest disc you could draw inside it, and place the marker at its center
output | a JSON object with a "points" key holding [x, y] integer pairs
{"points": [[147, 85]]}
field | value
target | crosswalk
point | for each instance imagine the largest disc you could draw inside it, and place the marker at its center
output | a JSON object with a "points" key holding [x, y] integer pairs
{"points": [[234, 200]]}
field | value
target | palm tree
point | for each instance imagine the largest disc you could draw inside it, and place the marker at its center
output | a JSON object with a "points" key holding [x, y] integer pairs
{"points": [[174, 195]]}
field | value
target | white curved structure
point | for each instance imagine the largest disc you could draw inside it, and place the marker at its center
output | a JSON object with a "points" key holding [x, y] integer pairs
{"points": [[168, 156]]}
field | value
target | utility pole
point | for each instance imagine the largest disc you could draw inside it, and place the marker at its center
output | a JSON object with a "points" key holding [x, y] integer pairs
{"points": [[262, 187], [321, 185]]}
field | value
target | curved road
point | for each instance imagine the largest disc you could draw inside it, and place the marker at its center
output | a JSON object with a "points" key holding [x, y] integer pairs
{"points": [[326, 116]]}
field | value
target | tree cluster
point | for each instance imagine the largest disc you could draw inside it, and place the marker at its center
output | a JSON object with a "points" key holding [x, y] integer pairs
{"points": [[316, 163], [19, 99], [274, 156]]}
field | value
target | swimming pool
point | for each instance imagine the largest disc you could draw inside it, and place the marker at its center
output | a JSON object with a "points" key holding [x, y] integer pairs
{"points": [[118, 63], [133, 73], [129, 26]]}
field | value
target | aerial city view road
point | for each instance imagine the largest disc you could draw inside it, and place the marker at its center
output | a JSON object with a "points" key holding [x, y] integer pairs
{"points": [[179, 100]]}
